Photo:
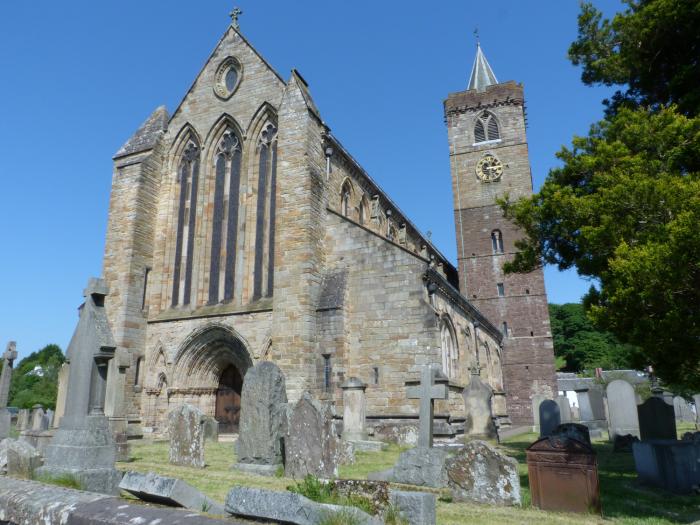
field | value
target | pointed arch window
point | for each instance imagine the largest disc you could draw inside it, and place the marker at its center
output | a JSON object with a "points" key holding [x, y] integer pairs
{"points": [[345, 199], [227, 169], [362, 211], [448, 341], [486, 128], [188, 180], [497, 241], [263, 279]]}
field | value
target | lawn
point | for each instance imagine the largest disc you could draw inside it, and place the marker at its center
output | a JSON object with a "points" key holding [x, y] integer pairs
{"points": [[624, 502]]}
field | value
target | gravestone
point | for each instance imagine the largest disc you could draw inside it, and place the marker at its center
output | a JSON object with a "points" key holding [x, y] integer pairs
{"points": [[22, 459], [564, 409], [423, 465], [39, 420], [186, 431], [263, 419], [536, 401], [656, 420], [682, 410], [432, 386], [83, 446], [211, 429], [23, 419], [696, 400], [354, 410], [622, 407], [671, 465], [573, 431], [311, 444], [61, 394], [549, 417], [478, 397], [479, 473], [8, 358]]}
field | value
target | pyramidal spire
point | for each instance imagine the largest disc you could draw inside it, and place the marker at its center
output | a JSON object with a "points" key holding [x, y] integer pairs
{"points": [[482, 75]]}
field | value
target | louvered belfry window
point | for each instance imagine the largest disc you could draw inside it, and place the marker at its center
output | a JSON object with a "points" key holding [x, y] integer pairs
{"points": [[486, 128]]}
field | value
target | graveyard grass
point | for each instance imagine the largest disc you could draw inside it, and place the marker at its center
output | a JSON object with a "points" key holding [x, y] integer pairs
{"points": [[623, 500]]}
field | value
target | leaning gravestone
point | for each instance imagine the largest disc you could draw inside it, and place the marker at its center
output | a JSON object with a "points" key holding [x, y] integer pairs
{"points": [[311, 444], [564, 409], [622, 408], [263, 419], [479, 473], [478, 396], [8, 358], [549, 417], [83, 447], [656, 420], [186, 431]]}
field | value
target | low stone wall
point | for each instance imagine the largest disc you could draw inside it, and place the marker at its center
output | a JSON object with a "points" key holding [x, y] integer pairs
{"points": [[33, 503]]}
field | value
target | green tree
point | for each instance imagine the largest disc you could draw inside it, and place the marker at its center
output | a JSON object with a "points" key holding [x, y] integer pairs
{"points": [[651, 49], [624, 206], [582, 346], [35, 378]]}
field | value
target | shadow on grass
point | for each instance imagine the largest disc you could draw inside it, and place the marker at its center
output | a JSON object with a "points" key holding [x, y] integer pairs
{"points": [[622, 497]]}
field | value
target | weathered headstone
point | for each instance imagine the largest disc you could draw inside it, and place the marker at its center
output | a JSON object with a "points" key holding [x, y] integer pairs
{"points": [[22, 459], [416, 508], [656, 419], [61, 394], [478, 396], [696, 400], [479, 473], [83, 446], [211, 429], [432, 386], [671, 465], [168, 491], [354, 410], [8, 358], [564, 409], [682, 410], [23, 419], [622, 407], [549, 417], [186, 431], [311, 444], [39, 420], [536, 401], [263, 419]]}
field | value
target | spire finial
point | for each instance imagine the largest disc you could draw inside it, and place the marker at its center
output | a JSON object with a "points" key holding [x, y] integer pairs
{"points": [[476, 35], [234, 17]]}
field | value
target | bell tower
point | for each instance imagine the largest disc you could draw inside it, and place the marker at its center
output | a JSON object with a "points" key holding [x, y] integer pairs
{"points": [[488, 159]]}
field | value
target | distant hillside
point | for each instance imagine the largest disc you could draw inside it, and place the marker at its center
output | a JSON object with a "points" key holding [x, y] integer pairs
{"points": [[579, 346], [35, 378]]}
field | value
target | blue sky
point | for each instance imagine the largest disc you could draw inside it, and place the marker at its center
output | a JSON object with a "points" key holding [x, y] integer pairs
{"points": [[79, 77]]}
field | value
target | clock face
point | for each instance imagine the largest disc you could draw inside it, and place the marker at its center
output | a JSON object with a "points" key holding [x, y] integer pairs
{"points": [[489, 168]]}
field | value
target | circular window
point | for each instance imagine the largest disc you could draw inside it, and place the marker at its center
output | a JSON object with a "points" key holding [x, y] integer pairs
{"points": [[228, 76]]}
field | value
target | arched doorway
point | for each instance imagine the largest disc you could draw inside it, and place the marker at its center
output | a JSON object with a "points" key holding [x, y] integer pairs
{"points": [[228, 400]]}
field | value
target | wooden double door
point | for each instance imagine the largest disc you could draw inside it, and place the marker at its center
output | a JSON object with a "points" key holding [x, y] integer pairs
{"points": [[228, 400]]}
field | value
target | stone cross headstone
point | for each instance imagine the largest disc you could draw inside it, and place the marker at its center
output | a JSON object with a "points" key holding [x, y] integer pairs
{"points": [[186, 431], [8, 359], [656, 420], [622, 408], [478, 397], [83, 446], [564, 409], [549, 417], [354, 410], [263, 419], [311, 444], [432, 386]]}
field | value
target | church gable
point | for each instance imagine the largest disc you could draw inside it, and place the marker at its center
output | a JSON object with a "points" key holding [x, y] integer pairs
{"points": [[235, 80]]}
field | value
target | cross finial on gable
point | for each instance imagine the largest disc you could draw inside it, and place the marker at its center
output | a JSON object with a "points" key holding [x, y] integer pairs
{"points": [[234, 17]]}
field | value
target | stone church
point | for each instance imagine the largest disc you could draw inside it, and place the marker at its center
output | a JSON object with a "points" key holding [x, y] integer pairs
{"points": [[240, 229]]}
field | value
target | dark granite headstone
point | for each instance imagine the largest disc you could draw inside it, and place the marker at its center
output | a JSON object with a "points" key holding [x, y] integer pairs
{"points": [[656, 419], [549, 417]]}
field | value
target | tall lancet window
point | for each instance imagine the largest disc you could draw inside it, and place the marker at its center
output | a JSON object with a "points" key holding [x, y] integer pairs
{"points": [[448, 341], [227, 167], [188, 179], [263, 279]]}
